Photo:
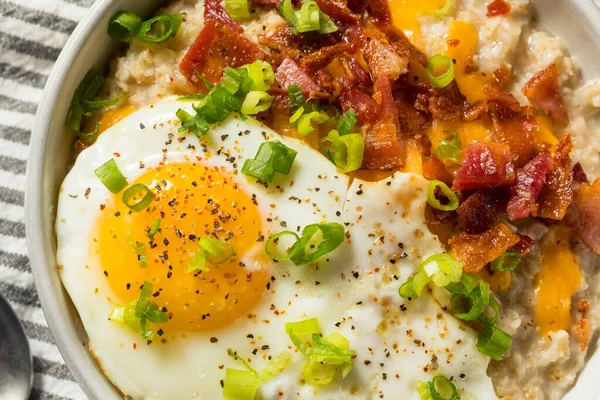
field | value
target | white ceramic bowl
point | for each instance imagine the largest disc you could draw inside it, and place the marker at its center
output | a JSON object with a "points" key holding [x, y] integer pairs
{"points": [[575, 21]]}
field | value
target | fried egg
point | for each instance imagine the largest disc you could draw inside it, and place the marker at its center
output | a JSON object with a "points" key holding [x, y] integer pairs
{"points": [[245, 302]]}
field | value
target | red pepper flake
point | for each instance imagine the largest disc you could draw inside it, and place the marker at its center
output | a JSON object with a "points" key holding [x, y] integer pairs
{"points": [[498, 8], [117, 154], [102, 207], [452, 43]]}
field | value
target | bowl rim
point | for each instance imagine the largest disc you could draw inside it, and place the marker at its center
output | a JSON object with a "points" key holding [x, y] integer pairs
{"points": [[40, 250]]}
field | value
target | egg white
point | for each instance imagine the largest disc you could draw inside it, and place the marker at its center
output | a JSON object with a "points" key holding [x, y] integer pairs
{"points": [[353, 290]]}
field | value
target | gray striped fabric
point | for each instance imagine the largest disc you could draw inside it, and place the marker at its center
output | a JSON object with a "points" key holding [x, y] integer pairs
{"points": [[32, 33]]}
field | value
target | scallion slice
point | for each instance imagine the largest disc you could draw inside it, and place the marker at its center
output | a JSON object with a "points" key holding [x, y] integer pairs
{"points": [[123, 26], [347, 152], [297, 99], [138, 197], [110, 175], [439, 388], [437, 63], [493, 342], [449, 149], [140, 250], [197, 263], [217, 251], [508, 261], [288, 12], [275, 366], [262, 75], [240, 384], [443, 10], [160, 29], [257, 102], [154, 228], [234, 355], [308, 17], [274, 242], [316, 241], [446, 191], [238, 9], [442, 269], [494, 306], [346, 123], [271, 157], [306, 122], [236, 81]]}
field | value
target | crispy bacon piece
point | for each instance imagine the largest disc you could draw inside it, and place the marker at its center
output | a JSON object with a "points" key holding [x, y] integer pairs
{"points": [[381, 56], [584, 214], [213, 11], [412, 121], [354, 71], [216, 47], [440, 223], [365, 107], [502, 97], [475, 112], [557, 194], [524, 245], [379, 11], [515, 129], [476, 251], [497, 8], [583, 329], [543, 92], [434, 169], [579, 174], [289, 73], [338, 11], [383, 149], [481, 210], [358, 6], [528, 186], [323, 57], [485, 166], [502, 75], [446, 104], [403, 45]]}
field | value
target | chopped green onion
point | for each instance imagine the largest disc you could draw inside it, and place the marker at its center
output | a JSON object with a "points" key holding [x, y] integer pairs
{"points": [[443, 10], [442, 269], [197, 263], [346, 122], [236, 81], [449, 149], [123, 26], [165, 27], [262, 75], [217, 251], [439, 388], [325, 355], [493, 342], [495, 307], [316, 241], [238, 9], [192, 97], [240, 385], [468, 307], [308, 17], [275, 366], [305, 123], [347, 152], [138, 315], [287, 11], [154, 228], [195, 124], [110, 175], [234, 355], [271, 157], [297, 99], [446, 191], [273, 242], [138, 197], [257, 102], [140, 250], [508, 261], [437, 63], [327, 24]]}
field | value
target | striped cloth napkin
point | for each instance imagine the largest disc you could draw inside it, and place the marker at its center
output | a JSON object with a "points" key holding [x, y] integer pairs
{"points": [[32, 34]]}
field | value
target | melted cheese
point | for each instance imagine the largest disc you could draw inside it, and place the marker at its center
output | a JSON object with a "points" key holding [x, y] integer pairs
{"points": [[406, 13], [557, 281], [112, 116], [545, 132]]}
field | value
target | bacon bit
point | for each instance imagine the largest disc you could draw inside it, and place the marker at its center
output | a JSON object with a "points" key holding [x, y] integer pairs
{"points": [[584, 214], [476, 251], [583, 329], [216, 47], [524, 245], [381, 56], [515, 129], [440, 223], [358, 6], [579, 174], [323, 57], [338, 11], [497, 8], [485, 165], [282, 44], [445, 104], [366, 108], [213, 11], [557, 194], [383, 150], [504, 98], [379, 11], [502, 75], [528, 186], [481, 211], [289, 73], [475, 112], [404, 46], [452, 42], [543, 92], [354, 71], [412, 121], [470, 65]]}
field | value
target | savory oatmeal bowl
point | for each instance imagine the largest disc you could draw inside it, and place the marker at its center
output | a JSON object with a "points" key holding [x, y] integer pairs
{"points": [[322, 199]]}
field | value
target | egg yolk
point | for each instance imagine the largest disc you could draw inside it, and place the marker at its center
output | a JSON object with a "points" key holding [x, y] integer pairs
{"points": [[191, 201]]}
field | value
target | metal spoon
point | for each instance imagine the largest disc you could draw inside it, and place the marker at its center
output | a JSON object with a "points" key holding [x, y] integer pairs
{"points": [[16, 367]]}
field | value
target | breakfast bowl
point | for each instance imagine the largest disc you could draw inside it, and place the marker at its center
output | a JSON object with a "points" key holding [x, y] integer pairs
{"points": [[52, 156]]}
